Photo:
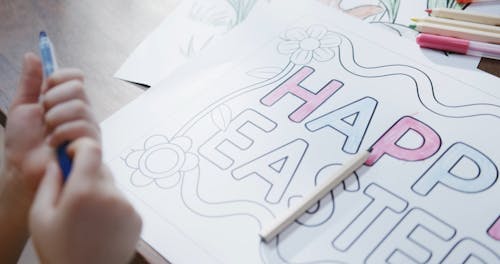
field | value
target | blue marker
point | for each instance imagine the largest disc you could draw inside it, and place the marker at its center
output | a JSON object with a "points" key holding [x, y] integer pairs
{"points": [[49, 65]]}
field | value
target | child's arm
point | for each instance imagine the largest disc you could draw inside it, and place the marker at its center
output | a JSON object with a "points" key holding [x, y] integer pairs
{"points": [[13, 216]]}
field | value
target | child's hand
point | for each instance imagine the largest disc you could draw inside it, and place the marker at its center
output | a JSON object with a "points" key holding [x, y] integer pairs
{"points": [[33, 130], [68, 114], [25, 151], [87, 221]]}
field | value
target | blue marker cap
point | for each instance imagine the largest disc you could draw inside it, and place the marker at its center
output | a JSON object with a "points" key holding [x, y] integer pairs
{"points": [[47, 54]]}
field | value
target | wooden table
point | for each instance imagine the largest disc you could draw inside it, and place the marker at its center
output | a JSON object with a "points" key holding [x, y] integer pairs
{"points": [[95, 36]]}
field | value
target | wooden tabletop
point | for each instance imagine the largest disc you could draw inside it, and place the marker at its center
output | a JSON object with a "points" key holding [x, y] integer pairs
{"points": [[95, 36]]}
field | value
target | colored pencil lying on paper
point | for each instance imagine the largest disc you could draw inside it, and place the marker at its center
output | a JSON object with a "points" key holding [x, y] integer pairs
{"points": [[462, 2], [457, 32], [283, 221], [461, 46], [457, 23], [464, 16]]}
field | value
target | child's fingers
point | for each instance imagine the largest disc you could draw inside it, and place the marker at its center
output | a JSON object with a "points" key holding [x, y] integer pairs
{"points": [[68, 111], [87, 155], [48, 192], [66, 91], [73, 130], [63, 75], [30, 82]]}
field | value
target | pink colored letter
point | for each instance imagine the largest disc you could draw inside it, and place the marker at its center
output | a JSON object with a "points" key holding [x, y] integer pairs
{"points": [[387, 144], [312, 100], [494, 230]]}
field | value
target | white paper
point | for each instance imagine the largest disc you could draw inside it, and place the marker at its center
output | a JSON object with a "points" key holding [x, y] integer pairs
{"points": [[210, 159], [196, 24], [191, 27]]}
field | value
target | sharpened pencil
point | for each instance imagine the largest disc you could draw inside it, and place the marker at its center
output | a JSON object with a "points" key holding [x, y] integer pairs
{"points": [[457, 23], [283, 221], [457, 32], [464, 16]]}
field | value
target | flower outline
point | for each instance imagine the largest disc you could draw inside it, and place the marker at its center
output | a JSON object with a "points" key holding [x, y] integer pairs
{"points": [[305, 45], [161, 161]]}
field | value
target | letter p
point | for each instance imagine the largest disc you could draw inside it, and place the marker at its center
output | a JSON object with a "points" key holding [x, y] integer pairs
{"points": [[388, 143], [461, 168]]}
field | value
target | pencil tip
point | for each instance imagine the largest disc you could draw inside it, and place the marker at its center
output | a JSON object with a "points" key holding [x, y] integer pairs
{"points": [[370, 149], [414, 19], [429, 11], [43, 34], [263, 238], [413, 26]]}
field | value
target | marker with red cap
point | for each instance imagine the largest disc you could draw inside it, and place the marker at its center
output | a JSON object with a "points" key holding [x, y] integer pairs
{"points": [[462, 46]]}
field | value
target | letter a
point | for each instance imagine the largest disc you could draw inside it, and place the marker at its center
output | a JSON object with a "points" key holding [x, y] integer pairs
{"points": [[276, 167], [360, 111]]}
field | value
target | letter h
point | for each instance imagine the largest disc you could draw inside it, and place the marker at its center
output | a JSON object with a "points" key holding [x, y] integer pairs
{"points": [[311, 100]]}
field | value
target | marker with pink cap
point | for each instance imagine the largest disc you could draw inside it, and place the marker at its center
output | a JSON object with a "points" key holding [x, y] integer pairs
{"points": [[462, 46]]}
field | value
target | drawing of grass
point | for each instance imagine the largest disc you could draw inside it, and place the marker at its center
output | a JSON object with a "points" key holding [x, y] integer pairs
{"points": [[190, 50], [392, 8], [241, 9], [443, 4], [215, 16], [209, 15]]}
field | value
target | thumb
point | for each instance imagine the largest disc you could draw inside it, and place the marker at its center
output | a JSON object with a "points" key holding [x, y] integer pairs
{"points": [[30, 82], [48, 191]]}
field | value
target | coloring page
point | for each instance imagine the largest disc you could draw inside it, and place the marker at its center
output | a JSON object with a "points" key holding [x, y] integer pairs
{"points": [[189, 29], [209, 162], [196, 24], [393, 15]]}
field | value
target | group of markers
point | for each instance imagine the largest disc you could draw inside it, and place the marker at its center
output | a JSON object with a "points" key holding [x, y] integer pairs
{"points": [[460, 32]]}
